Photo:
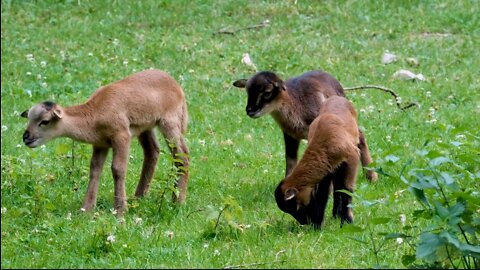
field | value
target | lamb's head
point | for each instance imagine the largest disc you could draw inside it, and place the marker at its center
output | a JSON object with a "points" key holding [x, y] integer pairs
{"points": [[262, 89], [42, 123], [294, 202]]}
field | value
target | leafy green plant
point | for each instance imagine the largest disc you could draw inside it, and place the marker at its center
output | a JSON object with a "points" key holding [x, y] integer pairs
{"points": [[450, 209], [225, 217]]}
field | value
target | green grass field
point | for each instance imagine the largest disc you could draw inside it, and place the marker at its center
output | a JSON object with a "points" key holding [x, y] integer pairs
{"points": [[64, 50]]}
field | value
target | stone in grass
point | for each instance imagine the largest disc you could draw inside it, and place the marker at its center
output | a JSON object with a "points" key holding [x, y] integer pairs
{"points": [[404, 74], [388, 58]]}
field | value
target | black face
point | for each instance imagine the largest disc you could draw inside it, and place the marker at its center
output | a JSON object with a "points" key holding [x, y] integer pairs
{"points": [[290, 207], [262, 89], [312, 213]]}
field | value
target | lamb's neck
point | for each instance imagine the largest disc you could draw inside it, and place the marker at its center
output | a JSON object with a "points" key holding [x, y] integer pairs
{"points": [[77, 123], [288, 115]]}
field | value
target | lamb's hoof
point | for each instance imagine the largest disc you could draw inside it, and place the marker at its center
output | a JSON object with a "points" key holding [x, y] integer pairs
{"points": [[372, 176]]}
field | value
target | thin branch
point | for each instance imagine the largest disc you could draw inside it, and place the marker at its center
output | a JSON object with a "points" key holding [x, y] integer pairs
{"points": [[195, 211], [219, 215], [265, 23], [252, 264], [384, 89]]}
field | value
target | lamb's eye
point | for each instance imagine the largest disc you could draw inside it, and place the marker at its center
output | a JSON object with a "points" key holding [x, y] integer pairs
{"points": [[267, 95], [44, 123]]}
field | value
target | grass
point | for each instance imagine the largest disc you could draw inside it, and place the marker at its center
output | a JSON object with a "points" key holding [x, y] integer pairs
{"points": [[64, 50]]}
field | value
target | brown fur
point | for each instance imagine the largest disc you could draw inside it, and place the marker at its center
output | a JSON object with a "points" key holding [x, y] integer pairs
{"points": [[333, 144], [110, 118], [294, 104]]}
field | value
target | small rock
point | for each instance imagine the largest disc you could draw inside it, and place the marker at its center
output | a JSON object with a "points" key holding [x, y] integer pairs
{"points": [[404, 74], [388, 58]]}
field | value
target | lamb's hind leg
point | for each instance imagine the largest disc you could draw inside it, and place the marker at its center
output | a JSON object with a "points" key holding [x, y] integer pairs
{"points": [[172, 132], [346, 213], [151, 151], [366, 158]]}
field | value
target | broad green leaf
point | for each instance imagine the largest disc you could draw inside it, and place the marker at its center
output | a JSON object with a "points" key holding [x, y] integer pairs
{"points": [[211, 213], [457, 209], [470, 250], [420, 194], [427, 247], [407, 260], [438, 161], [380, 220], [392, 158], [440, 210], [448, 179], [449, 238]]}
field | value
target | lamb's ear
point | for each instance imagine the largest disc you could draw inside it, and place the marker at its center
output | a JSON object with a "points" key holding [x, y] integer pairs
{"points": [[240, 83], [279, 84], [290, 193], [24, 114], [57, 112]]}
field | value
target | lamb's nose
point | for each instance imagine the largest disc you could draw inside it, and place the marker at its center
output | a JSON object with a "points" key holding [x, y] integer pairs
{"points": [[26, 134]]}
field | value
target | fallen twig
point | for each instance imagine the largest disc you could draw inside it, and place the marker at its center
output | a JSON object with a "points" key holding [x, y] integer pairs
{"points": [[232, 32], [384, 89], [251, 264]]}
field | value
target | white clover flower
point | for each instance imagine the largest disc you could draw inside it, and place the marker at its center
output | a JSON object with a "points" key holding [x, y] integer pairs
{"points": [[113, 211], [28, 73], [90, 54], [111, 238], [115, 42], [4, 210], [83, 209], [428, 94], [403, 219], [44, 84], [4, 128], [388, 138], [169, 234], [138, 220], [30, 57], [458, 137], [69, 216], [124, 245], [201, 142], [43, 63], [125, 62], [216, 252], [205, 245], [265, 171], [450, 97], [399, 240], [19, 145]]}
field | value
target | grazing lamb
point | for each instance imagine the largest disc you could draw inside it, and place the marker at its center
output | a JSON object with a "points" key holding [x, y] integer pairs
{"points": [[332, 156], [110, 118], [294, 104]]}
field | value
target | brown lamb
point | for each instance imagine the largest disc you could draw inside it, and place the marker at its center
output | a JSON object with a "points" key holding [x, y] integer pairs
{"points": [[110, 118]]}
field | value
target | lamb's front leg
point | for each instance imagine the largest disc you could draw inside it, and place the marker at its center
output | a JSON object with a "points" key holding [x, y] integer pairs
{"points": [[96, 164], [291, 153], [121, 149]]}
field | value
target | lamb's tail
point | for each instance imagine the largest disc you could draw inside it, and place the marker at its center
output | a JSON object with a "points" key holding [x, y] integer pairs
{"points": [[384, 89]]}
